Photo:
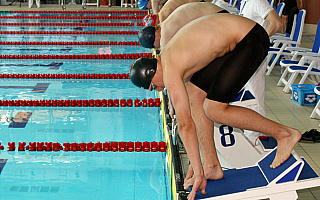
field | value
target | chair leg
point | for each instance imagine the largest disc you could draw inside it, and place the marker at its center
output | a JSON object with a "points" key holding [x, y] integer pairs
{"points": [[314, 112], [270, 68], [307, 72], [291, 80], [283, 78]]}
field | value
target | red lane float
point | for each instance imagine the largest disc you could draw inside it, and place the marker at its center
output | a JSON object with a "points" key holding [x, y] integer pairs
{"points": [[71, 32], [73, 17], [83, 103], [86, 56], [85, 12], [67, 24], [67, 76], [90, 146], [71, 43]]}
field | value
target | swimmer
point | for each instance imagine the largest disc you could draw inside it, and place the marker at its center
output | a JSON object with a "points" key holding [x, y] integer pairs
{"points": [[160, 35], [168, 8], [222, 52]]}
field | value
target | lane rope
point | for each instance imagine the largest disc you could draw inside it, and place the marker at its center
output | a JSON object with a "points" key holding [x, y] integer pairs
{"points": [[72, 32], [83, 103], [90, 146], [70, 43], [86, 56]]}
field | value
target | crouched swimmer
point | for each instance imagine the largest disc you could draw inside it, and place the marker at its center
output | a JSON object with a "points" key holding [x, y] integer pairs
{"points": [[221, 52]]}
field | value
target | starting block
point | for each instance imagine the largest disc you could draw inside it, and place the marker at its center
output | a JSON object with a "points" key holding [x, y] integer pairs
{"points": [[235, 148], [261, 182]]}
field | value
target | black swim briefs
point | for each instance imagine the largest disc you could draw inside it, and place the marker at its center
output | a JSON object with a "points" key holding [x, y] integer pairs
{"points": [[223, 11], [225, 76]]}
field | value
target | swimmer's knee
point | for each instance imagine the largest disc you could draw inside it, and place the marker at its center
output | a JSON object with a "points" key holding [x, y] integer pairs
{"points": [[195, 93], [214, 110]]}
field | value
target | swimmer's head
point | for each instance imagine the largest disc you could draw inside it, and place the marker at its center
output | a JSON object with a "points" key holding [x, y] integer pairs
{"points": [[147, 36], [142, 4], [150, 20], [142, 72]]}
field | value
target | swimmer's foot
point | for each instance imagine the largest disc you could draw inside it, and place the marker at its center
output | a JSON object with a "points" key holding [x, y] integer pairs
{"points": [[286, 143], [213, 172]]}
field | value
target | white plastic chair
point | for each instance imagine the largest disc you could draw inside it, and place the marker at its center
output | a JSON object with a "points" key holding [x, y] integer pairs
{"points": [[306, 66], [271, 2], [316, 110], [296, 40], [280, 8], [232, 2], [304, 69]]}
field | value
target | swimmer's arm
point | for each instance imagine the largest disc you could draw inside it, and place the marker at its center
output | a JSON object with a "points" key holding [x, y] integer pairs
{"points": [[155, 6], [186, 127], [275, 23]]}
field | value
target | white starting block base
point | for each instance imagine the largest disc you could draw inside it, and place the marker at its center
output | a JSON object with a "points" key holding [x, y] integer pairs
{"points": [[233, 145], [261, 181]]}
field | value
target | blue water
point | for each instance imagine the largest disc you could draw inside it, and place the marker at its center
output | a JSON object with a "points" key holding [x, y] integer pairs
{"points": [[77, 175], [11, 20], [68, 28], [67, 37], [71, 50], [70, 89], [82, 125], [83, 176], [80, 13], [64, 66]]}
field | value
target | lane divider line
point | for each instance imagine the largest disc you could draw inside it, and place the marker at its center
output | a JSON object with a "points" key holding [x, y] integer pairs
{"points": [[67, 76], [86, 56], [90, 146], [70, 43], [83, 103]]}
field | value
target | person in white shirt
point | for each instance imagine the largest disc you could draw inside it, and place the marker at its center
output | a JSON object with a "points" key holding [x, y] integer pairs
{"points": [[261, 12]]}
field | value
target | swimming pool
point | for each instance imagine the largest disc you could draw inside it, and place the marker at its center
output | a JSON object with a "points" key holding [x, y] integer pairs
{"points": [[100, 162]]}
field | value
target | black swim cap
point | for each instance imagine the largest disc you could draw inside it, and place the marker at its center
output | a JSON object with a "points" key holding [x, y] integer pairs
{"points": [[142, 72], [147, 36]]}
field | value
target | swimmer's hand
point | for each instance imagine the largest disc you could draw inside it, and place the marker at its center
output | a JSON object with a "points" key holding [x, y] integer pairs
{"points": [[199, 183], [189, 175]]}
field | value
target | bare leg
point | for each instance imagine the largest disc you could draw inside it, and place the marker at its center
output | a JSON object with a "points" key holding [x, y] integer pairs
{"points": [[285, 21], [244, 118], [204, 127]]}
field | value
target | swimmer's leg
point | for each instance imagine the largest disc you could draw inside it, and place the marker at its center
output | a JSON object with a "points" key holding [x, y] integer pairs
{"points": [[244, 118], [204, 127]]}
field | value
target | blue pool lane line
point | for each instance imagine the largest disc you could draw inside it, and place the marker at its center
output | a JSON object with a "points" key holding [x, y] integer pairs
{"points": [[2, 164], [38, 88], [20, 120], [54, 50], [52, 65]]}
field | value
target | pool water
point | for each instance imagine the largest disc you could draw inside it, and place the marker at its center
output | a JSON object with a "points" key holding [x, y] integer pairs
{"points": [[74, 174], [71, 50]]}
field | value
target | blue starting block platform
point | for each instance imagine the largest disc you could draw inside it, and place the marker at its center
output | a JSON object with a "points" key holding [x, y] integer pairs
{"points": [[261, 182]]}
